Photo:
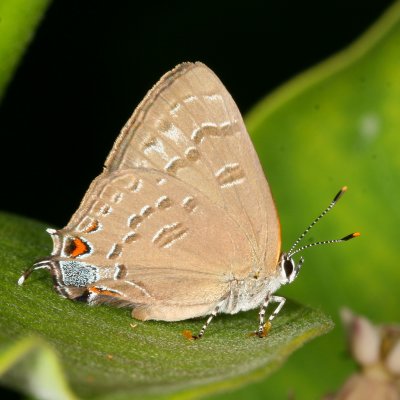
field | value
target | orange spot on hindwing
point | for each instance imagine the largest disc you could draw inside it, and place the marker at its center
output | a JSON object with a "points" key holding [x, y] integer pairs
{"points": [[94, 226], [76, 247], [103, 292]]}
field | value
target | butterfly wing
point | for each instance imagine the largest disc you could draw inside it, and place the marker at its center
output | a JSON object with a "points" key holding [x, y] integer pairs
{"points": [[189, 126], [182, 209], [168, 250]]}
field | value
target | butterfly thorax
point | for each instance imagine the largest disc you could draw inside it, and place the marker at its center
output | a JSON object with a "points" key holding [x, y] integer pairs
{"points": [[249, 293]]}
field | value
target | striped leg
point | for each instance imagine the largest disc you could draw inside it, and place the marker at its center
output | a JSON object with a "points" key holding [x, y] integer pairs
{"points": [[188, 334], [205, 326], [264, 328], [261, 315]]}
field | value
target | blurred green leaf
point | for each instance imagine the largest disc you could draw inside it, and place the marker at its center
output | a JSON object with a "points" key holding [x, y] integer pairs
{"points": [[36, 366], [18, 22], [337, 124], [105, 357]]}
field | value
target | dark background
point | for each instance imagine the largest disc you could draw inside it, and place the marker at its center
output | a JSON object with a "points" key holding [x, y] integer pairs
{"points": [[91, 62]]}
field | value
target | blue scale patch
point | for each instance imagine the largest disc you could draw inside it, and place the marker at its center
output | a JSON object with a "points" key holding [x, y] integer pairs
{"points": [[76, 273]]}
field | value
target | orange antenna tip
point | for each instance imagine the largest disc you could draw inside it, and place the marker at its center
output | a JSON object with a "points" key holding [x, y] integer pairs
{"points": [[340, 194], [351, 236]]}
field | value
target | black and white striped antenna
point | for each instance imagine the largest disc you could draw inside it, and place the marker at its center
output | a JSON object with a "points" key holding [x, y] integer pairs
{"points": [[292, 250]]}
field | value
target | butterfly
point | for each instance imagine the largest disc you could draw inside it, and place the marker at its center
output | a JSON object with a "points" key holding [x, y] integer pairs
{"points": [[181, 223]]}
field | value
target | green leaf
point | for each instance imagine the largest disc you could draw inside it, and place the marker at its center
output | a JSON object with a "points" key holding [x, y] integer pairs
{"points": [[108, 355], [337, 124], [18, 22]]}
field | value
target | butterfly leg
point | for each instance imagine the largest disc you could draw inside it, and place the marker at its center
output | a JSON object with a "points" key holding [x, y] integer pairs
{"points": [[188, 334], [263, 328]]}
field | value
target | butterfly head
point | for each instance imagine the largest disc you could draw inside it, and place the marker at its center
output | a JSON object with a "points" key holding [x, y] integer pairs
{"points": [[288, 268]]}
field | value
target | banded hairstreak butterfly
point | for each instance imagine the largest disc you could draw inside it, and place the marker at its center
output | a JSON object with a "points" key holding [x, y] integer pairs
{"points": [[181, 222]]}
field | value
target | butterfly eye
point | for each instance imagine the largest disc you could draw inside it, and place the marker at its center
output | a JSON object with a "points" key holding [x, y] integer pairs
{"points": [[288, 267]]}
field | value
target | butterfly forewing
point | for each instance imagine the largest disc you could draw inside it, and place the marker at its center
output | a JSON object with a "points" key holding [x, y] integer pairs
{"points": [[188, 126]]}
